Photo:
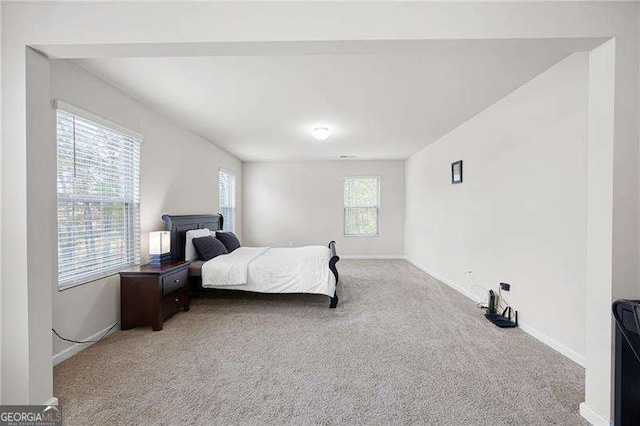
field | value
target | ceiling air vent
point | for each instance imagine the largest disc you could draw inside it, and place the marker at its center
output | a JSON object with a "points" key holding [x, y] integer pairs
{"points": [[347, 157]]}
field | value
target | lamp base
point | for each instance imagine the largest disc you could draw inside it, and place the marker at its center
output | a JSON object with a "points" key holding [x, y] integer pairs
{"points": [[159, 259]]}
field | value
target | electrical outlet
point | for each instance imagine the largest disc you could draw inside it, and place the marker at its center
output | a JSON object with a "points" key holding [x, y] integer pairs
{"points": [[505, 286]]}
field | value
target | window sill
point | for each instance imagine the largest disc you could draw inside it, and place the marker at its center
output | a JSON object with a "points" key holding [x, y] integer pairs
{"points": [[78, 284], [361, 236]]}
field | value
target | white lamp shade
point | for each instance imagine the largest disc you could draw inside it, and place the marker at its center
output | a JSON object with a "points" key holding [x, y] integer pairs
{"points": [[159, 242]]}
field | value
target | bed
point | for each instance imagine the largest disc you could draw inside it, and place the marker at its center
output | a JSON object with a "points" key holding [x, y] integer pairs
{"points": [[309, 269]]}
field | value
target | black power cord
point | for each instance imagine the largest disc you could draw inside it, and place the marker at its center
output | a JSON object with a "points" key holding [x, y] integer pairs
{"points": [[85, 341]]}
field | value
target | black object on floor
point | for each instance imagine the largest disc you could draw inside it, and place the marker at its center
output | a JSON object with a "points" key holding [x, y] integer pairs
{"points": [[627, 359], [503, 321]]}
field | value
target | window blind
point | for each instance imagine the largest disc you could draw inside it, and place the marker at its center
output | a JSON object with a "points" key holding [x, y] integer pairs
{"points": [[361, 206], [227, 199], [98, 199]]}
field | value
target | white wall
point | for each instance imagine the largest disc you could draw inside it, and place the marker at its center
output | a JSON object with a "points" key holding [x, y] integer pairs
{"points": [[178, 175], [302, 203], [41, 196], [108, 28], [600, 192], [520, 214], [1, 363]]}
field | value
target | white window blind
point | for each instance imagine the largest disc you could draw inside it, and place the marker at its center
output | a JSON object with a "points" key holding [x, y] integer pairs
{"points": [[361, 206], [98, 198], [227, 199]]}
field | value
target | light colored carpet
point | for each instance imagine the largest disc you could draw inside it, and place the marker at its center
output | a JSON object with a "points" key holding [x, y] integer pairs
{"points": [[401, 348]]}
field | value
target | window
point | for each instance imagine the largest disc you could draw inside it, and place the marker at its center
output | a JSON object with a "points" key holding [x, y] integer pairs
{"points": [[98, 197], [362, 206], [227, 199]]}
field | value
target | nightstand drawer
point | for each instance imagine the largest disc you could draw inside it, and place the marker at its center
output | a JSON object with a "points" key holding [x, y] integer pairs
{"points": [[174, 302], [174, 281]]}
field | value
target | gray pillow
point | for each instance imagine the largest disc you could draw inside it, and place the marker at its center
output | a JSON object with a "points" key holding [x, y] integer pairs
{"points": [[208, 248], [229, 240]]}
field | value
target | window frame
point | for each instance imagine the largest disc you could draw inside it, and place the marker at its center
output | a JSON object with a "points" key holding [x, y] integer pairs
{"points": [[235, 201], [130, 205], [344, 207]]}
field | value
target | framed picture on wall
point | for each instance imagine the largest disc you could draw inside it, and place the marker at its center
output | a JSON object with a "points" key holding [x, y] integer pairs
{"points": [[456, 172]]}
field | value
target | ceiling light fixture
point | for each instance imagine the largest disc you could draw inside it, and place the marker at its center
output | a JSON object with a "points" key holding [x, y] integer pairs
{"points": [[321, 133]]}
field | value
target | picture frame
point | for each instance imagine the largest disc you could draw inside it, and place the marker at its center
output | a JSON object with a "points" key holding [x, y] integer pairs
{"points": [[456, 172]]}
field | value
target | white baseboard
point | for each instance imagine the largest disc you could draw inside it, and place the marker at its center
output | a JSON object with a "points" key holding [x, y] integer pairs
{"points": [[373, 256], [77, 347], [564, 350], [592, 417], [439, 277], [549, 341]]}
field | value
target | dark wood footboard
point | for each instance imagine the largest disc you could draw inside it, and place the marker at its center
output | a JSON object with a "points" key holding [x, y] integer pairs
{"points": [[332, 265]]}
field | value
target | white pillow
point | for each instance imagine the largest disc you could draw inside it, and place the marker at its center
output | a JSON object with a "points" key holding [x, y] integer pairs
{"points": [[189, 250]]}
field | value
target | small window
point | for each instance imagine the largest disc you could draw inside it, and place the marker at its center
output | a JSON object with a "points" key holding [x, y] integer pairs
{"points": [[98, 197], [362, 206], [227, 199]]}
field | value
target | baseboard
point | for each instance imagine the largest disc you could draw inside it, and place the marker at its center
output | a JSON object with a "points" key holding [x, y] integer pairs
{"points": [[439, 277], [564, 350], [592, 417], [77, 347], [532, 331], [373, 256]]}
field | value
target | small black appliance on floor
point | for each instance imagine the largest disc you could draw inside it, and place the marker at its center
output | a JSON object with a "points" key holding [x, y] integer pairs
{"points": [[627, 359], [508, 318]]}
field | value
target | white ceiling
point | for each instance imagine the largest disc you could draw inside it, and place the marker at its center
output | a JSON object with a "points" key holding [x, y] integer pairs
{"points": [[382, 100]]}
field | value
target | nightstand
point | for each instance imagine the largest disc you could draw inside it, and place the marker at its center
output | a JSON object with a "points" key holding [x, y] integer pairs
{"points": [[151, 294]]}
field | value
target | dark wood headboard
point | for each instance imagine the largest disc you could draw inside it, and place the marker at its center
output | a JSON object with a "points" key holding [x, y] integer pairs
{"points": [[180, 224]]}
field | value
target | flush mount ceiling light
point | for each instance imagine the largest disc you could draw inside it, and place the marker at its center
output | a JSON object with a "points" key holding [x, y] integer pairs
{"points": [[321, 133]]}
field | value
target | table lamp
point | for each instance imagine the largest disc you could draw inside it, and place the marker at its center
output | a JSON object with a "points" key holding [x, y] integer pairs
{"points": [[159, 248]]}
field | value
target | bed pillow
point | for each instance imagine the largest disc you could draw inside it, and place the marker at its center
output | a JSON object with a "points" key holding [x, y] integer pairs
{"points": [[189, 251], [229, 240], [208, 247]]}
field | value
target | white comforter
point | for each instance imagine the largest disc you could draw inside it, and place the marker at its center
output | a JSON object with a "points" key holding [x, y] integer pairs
{"points": [[272, 270]]}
